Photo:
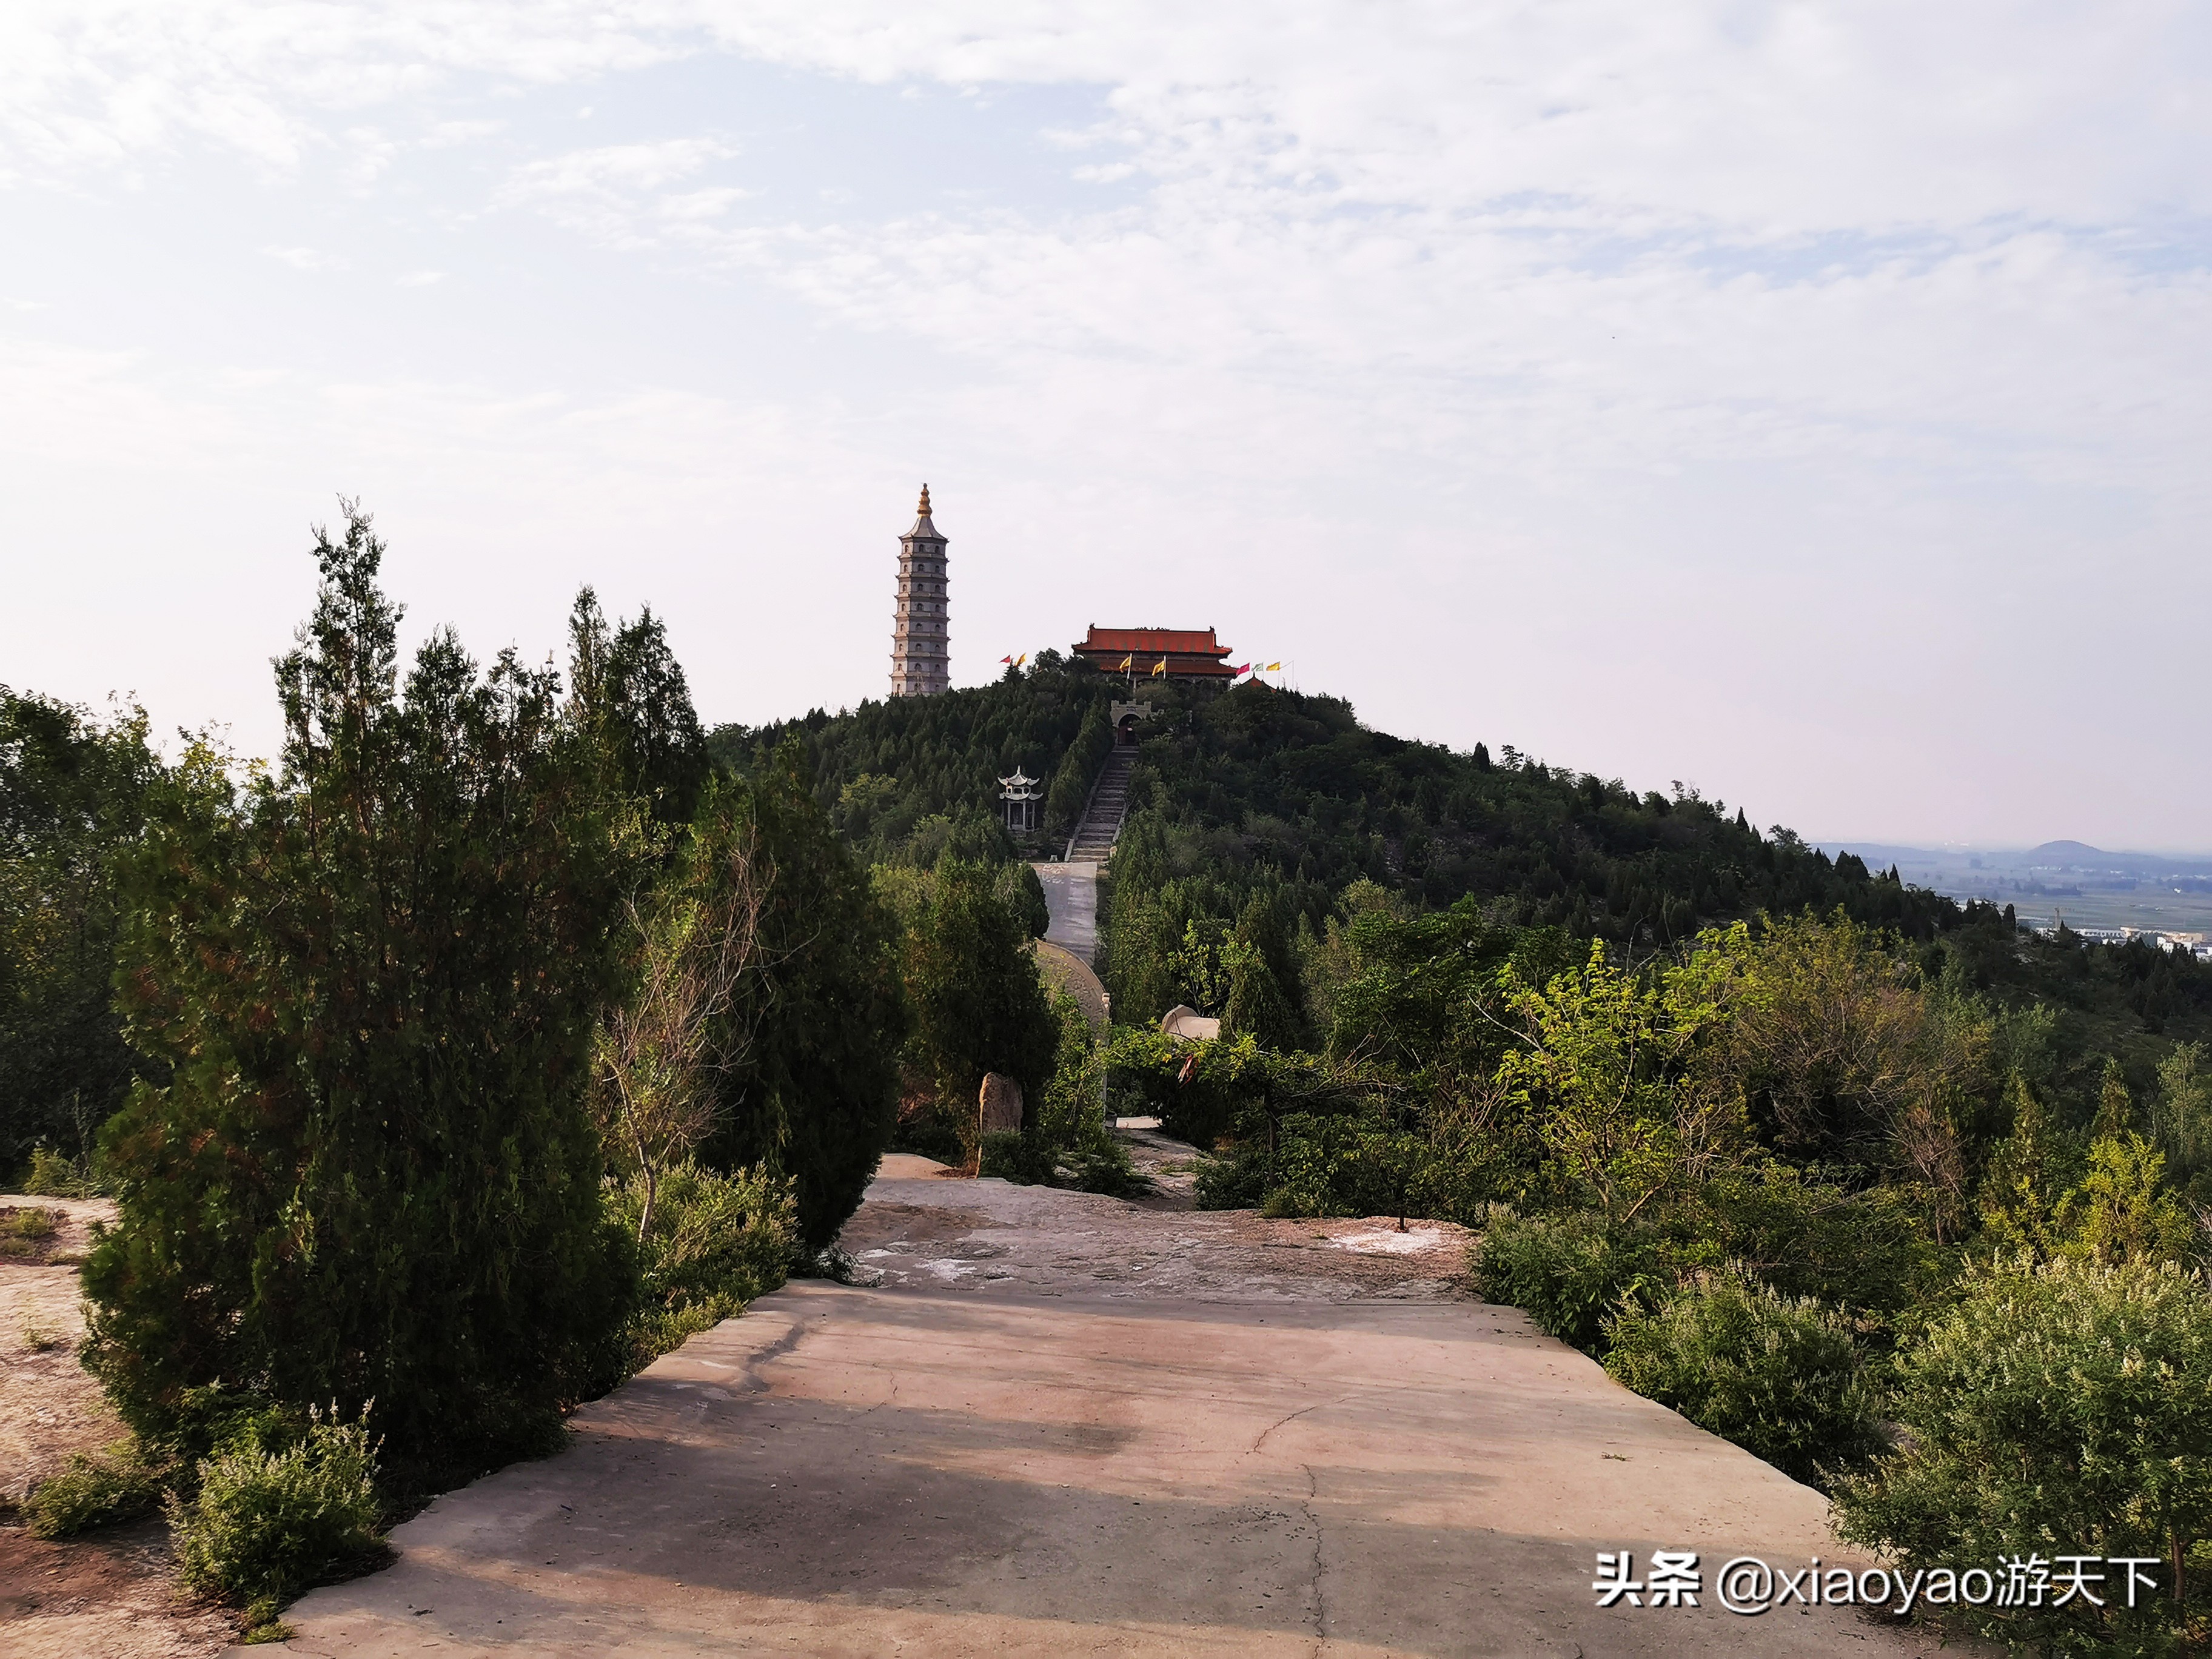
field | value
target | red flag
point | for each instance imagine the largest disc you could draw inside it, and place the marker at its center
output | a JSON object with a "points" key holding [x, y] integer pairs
{"points": [[1240, 668], [1009, 660]]}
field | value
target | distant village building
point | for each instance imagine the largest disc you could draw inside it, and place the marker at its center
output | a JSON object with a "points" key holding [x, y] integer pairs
{"points": [[1022, 802], [1190, 654], [921, 661]]}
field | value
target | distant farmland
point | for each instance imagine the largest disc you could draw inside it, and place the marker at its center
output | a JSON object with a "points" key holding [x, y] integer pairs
{"points": [[2086, 885]]}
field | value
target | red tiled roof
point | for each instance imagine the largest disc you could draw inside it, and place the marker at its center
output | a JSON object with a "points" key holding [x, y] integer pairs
{"points": [[1159, 641]]}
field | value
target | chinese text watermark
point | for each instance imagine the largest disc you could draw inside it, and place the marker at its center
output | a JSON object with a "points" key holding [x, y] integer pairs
{"points": [[1749, 1585]]}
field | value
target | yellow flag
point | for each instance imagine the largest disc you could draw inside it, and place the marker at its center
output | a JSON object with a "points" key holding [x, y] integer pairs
{"points": [[1128, 662], [1274, 668], [1160, 668], [1019, 661]]}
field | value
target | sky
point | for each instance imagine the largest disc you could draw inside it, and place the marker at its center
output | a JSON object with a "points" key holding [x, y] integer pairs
{"points": [[1807, 404]]}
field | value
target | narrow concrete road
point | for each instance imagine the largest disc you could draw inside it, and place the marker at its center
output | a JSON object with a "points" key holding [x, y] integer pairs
{"points": [[1059, 1424], [1070, 898]]}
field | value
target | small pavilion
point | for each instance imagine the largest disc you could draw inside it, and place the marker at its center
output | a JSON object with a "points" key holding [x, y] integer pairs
{"points": [[1022, 802]]}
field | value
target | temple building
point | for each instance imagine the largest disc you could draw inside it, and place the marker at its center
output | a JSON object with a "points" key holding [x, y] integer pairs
{"points": [[921, 662], [1189, 653]]}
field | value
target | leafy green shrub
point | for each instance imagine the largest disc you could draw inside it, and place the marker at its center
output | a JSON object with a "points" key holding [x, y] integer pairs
{"points": [[2064, 1408], [1022, 1157], [264, 1525], [1568, 1272], [1351, 1163], [1324, 1165], [1067, 1143], [1096, 1163], [1459, 1176], [1021, 891], [1236, 1182], [2122, 1211], [715, 1243], [1198, 1091], [54, 1175], [1866, 1253], [1865, 1249], [95, 1490], [1101, 1164], [925, 1127], [1779, 1376], [971, 983]]}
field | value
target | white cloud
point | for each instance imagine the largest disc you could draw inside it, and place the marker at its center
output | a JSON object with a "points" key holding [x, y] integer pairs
{"points": [[304, 259], [620, 194], [1775, 119]]}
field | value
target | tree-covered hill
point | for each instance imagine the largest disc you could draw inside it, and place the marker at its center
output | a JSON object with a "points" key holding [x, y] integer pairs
{"points": [[906, 777], [1255, 783], [1259, 780], [1254, 810]]}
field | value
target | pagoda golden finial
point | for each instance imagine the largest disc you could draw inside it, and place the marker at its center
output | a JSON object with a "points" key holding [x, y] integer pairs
{"points": [[924, 501]]}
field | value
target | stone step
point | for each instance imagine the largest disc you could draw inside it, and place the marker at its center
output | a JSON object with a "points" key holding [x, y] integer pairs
{"points": [[1095, 835]]}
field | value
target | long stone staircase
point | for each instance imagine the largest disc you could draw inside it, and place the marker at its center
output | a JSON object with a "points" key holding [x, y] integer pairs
{"points": [[1102, 819]]}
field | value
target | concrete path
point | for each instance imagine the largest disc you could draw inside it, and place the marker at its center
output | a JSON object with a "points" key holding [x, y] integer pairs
{"points": [[1235, 1436], [1070, 898]]}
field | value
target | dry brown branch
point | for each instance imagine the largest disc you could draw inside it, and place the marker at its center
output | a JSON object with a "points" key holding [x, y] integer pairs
{"points": [[692, 1016]]}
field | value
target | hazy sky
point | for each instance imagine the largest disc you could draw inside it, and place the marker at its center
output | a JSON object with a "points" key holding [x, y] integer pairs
{"points": [[1808, 402]]}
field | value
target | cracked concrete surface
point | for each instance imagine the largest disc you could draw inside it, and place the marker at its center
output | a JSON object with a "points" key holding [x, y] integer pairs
{"points": [[1061, 1424]]}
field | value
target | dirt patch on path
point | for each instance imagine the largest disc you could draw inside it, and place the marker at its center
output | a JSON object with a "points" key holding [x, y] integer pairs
{"points": [[48, 1407], [989, 1237], [111, 1594]]}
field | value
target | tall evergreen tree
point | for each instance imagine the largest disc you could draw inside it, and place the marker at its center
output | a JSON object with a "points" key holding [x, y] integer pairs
{"points": [[813, 1089], [373, 979], [627, 693]]}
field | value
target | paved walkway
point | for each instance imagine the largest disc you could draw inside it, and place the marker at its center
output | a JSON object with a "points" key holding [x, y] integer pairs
{"points": [[1071, 899], [1060, 1423]]}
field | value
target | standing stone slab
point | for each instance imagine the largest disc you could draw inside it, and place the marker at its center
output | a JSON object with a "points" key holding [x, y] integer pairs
{"points": [[1001, 1103]]}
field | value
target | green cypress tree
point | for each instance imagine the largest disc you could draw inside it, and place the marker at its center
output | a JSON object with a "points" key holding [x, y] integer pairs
{"points": [[971, 979], [811, 1089], [372, 978], [627, 693]]}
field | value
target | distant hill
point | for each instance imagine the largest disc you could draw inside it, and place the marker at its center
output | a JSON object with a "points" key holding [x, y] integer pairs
{"points": [[2075, 855], [2064, 852]]}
